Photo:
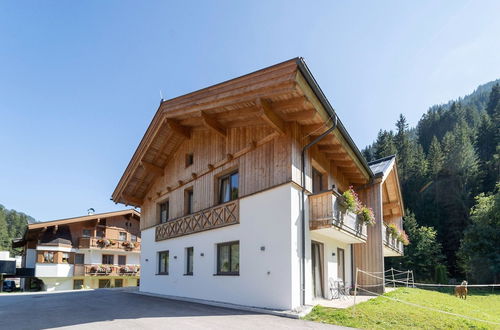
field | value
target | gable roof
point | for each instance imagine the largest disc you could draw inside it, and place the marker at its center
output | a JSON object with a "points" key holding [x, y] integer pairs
{"points": [[84, 218], [382, 166], [287, 89]]}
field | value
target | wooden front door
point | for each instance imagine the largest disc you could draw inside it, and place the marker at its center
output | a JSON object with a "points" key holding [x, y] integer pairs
{"points": [[317, 269]]}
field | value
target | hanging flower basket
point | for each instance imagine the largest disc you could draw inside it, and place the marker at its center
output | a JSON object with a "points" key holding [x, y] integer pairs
{"points": [[367, 216]]}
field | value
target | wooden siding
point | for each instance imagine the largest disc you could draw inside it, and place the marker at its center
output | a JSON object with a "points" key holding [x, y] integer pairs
{"points": [[370, 256], [264, 164]]}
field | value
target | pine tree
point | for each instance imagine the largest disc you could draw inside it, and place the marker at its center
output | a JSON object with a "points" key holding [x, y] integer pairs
{"points": [[435, 158], [384, 146]]}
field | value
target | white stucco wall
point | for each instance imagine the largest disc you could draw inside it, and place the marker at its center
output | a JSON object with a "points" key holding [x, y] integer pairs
{"points": [[57, 284], [53, 270], [95, 256], [266, 278]]}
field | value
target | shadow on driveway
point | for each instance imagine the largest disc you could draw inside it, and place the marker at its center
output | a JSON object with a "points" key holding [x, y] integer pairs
{"points": [[105, 309]]}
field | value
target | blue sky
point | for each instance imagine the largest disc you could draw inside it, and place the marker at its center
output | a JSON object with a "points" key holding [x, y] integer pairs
{"points": [[81, 80]]}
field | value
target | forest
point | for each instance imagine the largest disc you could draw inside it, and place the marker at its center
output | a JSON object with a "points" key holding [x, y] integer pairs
{"points": [[449, 172], [12, 225]]}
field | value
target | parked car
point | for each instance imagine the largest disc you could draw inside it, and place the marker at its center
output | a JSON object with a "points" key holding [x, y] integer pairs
{"points": [[9, 286]]}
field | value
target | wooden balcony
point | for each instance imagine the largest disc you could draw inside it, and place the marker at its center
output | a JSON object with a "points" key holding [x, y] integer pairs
{"points": [[328, 216], [107, 244], [106, 270], [215, 217], [392, 247]]}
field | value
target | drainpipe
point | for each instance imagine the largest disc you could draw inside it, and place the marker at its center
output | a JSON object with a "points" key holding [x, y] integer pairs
{"points": [[303, 212]]}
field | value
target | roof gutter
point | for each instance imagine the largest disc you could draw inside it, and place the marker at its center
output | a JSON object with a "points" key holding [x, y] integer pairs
{"points": [[301, 64]]}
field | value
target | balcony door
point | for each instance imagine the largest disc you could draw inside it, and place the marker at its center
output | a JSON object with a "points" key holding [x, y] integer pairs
{"points": [[317, 269], [317, 181], [341, 264]]}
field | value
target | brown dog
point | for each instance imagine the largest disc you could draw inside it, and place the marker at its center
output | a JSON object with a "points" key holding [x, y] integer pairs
{"points": [[461, 290]]}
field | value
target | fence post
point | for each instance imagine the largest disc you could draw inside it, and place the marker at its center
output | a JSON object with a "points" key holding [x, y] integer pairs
{"points": [[407, 277], [355, 288], [393, 280]]}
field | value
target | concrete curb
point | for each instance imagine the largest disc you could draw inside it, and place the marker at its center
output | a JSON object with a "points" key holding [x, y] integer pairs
{"points": [[290, 314]]}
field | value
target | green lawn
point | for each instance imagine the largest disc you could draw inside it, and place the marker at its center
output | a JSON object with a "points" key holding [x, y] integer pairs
{"points": [[382, 313]]}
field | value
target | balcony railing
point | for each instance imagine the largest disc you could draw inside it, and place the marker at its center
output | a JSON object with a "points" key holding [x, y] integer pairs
{"points": [[106, 270], [391, 241], [326, 210], [215, 217], [105, 243]]}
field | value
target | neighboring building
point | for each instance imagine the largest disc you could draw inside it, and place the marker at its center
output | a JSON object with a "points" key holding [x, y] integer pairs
{"points": [[218, 176], [92, 251]]}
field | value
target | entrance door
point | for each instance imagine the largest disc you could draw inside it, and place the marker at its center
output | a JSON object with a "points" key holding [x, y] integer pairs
{"points": [[341, 264], [104, 283], [317, 268]]}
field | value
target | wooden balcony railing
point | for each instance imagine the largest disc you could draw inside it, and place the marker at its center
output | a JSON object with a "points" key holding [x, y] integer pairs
{"points": [[106, 270], [215, 217], [391, 241], [106, 243], [326, 210]]}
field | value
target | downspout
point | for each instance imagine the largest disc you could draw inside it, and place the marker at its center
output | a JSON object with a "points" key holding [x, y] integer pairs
{"points": [[303, 212]]}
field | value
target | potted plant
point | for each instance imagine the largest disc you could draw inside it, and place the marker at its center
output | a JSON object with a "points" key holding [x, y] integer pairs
{"points": [[393, 232], [403, 237], [366, 215], [350, 200]]}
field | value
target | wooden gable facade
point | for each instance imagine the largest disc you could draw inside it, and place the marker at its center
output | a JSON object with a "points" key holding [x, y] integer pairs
{"points": [[256, 124]]}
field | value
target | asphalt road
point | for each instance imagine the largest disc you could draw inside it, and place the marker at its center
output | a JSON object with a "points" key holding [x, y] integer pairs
{"points": [[117, 309]]}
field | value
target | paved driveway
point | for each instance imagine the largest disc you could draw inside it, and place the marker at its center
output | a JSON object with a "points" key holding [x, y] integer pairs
{"points": [[117, 309]]}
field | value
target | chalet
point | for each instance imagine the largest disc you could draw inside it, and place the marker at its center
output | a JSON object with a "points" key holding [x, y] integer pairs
{"points": [[92, 251], [241, 188]]}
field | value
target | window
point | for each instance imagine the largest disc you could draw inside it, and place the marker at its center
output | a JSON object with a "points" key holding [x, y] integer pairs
{"points": [[65, 258], [188, 201], [163, 263], [228, 258], [164, 208], [341, 264], [189, 261], [86, 233], [123, 236], [104, 284], [228, 187], [133, 238], [122, 260], [118, 283], [48, 257], [99, 233], [79, 259], [317, 178], [189, 159], [107, 259], [77, 284]]}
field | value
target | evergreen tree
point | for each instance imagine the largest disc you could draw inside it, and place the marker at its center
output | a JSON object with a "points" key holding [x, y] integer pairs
{"points": [[384, 146], [435, 158]]}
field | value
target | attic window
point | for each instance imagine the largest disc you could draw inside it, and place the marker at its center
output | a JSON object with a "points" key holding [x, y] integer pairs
{"points": [[189, 159]]}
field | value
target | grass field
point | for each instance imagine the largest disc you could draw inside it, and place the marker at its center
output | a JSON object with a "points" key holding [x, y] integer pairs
{"points": [[382, 313]]}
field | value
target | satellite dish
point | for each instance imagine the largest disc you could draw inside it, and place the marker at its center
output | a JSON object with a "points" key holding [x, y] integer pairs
{"points": [[90, 211]]}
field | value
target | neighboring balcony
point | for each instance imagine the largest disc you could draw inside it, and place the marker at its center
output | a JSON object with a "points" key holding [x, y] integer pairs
{"points": [[107, 270], [215, 217], [329, 217], [392, 247], [107, 244], [53, 270]]}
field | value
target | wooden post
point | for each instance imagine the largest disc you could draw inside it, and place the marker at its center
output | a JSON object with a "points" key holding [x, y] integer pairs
{"points": [[407, 277], [355, 289], [393, 280]]}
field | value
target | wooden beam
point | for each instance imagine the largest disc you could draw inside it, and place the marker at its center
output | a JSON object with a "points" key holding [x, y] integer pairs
{"points": [[343, 163], [336, 156], [156, 170], [178, 128], [329, 148], [269, 116], [314, 129], [300, 115], [132, 200], [212, 124], [391, 205]]}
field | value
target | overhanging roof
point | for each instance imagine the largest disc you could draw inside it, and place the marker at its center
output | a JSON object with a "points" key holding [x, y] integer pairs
{"points": [[83, 218], [280, 93]]}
